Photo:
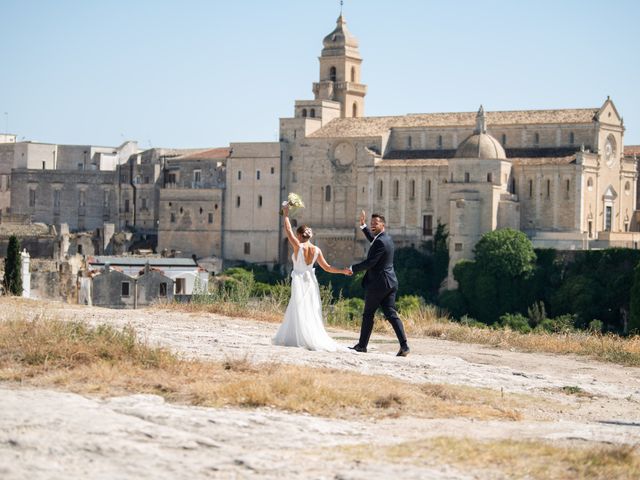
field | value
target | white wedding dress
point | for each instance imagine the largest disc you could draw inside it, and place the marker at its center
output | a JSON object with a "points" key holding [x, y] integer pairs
{"points": [[303, 325]]}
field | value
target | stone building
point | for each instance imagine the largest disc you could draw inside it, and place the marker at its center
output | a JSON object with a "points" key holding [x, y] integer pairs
{"points": [[45, 159], [54, 184], [83, 199], [186, 274], [558, 175], [252, 197], [152, 285], [191, 203], [112, 288]]}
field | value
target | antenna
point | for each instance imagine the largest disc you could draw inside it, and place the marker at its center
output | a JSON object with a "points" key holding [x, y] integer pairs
{"points": [[341, 3]]}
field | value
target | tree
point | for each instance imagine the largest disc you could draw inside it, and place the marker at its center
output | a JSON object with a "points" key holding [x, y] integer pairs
{"points": [[505, 253], [634, 317], [440, 255], [492, 284], [13, 267]]}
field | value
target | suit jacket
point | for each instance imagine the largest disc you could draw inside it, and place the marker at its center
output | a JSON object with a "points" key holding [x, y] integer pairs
{"points": [[380, 276]]}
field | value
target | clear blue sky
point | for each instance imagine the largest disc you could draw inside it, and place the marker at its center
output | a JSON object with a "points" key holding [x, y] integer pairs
{"points": [[205, 73]]}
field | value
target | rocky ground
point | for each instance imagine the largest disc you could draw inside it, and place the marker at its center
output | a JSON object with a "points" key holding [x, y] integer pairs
{"points": [[53, 434]]}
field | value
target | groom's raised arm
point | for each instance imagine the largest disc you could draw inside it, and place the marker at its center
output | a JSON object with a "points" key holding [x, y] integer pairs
{"points": [[364, 228]]}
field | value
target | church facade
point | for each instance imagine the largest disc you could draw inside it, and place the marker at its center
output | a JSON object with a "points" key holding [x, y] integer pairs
{"points": [[558, 175]]}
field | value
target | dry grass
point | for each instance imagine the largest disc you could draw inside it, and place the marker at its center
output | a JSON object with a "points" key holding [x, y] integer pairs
{"points": [[429, 322], [610, 348], [516, 459], [103, 360], [264, 311]]}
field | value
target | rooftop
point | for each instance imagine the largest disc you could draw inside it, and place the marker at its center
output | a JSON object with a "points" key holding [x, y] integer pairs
{"points": [[141, 261], [211, 154], [373, 126]]}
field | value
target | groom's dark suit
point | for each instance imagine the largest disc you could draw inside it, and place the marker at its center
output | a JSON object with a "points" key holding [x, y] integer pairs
{"points": [[381, 285]]}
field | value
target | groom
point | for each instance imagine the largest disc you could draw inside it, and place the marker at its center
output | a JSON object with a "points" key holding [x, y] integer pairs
{"points": [[380, 283]]}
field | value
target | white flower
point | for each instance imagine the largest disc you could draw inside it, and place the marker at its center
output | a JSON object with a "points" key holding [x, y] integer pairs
{"points": [[294, 201]]}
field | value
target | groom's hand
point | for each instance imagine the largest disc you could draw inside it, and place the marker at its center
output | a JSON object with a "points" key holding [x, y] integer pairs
{"points": [[363, 218]]}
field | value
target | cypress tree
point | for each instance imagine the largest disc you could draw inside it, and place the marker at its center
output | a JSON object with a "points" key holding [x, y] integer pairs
{"points": [[13, 268]]}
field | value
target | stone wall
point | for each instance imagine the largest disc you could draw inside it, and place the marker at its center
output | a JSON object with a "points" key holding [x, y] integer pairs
{"points": [[82, 199]]}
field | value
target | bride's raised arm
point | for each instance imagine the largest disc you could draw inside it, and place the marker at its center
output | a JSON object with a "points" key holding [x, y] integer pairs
{"points": [[328, 268], [293, 240]]}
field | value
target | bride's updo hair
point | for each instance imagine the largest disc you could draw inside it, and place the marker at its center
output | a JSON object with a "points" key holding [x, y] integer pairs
{"points": [[305, 232]]}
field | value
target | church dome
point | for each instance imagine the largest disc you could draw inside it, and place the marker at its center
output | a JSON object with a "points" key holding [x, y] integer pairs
{"points": [[480, 144], [339, 38]]}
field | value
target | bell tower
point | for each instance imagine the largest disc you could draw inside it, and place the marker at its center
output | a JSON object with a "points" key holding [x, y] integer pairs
{"points": [[340, 64]]}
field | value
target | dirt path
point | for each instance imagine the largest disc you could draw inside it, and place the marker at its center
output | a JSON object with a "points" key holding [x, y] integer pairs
{"points": [[46, 434]]}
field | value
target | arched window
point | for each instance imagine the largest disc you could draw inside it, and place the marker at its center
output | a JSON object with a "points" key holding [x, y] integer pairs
{"points": [[409, 141], [259, 200], [568, 187], [514, 189], [332, 74], [548, 188], [590, 183], [439, 141], [536, 139], [396, 189], [327, 193], [312, 113], [304, 112], [355, 109], [428, 189], [530, 188], [380, 188], [504, 139], [412, 189], [489, 177], [237, 202], [353, 74], [572, 138], [627, 188]]}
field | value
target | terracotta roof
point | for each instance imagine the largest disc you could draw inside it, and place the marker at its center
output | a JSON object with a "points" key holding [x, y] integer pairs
{"points": [[543, 161], [211, 154], [632, 150], [373, 126]]}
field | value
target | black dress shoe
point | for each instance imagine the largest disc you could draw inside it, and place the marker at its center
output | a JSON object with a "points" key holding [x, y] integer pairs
{"points": [[358, 348], [404, 351]]}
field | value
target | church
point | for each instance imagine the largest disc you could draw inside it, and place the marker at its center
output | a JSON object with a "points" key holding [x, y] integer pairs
{"points": [[560, 176]]}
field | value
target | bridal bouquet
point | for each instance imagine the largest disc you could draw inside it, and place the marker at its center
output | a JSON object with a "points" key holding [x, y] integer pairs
{"points": [[293, 201]]}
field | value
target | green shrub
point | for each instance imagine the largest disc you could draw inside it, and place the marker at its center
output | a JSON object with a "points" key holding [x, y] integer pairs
{"points": [[453, 302], [409, 303], [471, 322], [559, 324], [516, 322], [596, 326], [536, 314], [346, 311]]}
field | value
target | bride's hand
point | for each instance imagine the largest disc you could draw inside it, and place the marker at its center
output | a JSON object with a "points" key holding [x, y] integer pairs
{"points": [[285, 210]]}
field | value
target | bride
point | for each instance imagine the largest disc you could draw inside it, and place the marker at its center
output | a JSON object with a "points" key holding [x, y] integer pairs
{"points": [[303, 325]]}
